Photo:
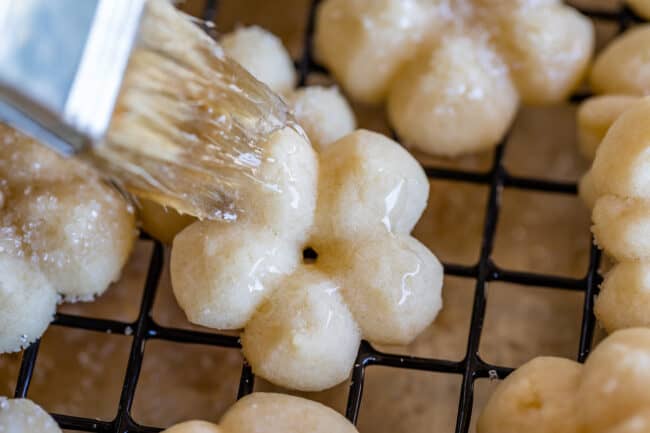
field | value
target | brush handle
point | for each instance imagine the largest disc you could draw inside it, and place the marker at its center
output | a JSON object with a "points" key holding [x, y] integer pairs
{"points": [[61, 66]]}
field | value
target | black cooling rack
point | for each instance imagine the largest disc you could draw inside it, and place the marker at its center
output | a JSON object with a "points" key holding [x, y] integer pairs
{"points": [[471, 367]]}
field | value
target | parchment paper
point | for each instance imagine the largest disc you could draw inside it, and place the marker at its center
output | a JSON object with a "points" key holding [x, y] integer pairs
{"points": [[81, 372]]}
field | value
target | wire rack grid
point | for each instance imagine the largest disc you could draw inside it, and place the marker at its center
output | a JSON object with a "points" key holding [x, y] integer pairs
{"points": [[471, 367]]}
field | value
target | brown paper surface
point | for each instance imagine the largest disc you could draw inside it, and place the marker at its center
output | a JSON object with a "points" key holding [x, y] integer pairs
{"points": [[80, 372]]}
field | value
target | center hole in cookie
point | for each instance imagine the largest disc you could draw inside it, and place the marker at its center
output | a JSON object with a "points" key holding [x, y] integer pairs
{"points": [[309, 255]]}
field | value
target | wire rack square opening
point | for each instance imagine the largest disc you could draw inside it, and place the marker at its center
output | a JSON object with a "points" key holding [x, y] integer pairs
{"points": [[470, 368]]}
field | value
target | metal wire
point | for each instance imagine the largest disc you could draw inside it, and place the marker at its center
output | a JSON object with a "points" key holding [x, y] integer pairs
{"points": [[471, 367]]}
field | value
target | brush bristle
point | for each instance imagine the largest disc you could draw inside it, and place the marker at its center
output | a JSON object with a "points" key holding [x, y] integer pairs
{"points": [[189, 123]]}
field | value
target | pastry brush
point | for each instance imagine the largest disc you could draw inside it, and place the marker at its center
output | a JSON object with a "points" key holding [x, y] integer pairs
{"points": [[141, 92]]}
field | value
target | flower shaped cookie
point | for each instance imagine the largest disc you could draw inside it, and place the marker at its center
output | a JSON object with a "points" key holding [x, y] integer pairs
{"points": [[322, 112], [620, 76], [303, 321], [63, 232], [24, 416], [453, 71], [609, 394], [618, 186], [262, 412]]}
